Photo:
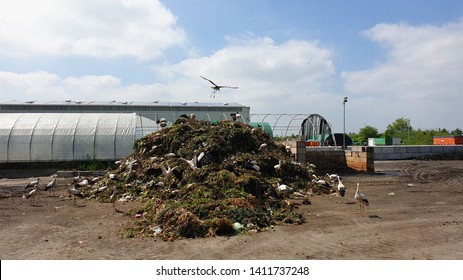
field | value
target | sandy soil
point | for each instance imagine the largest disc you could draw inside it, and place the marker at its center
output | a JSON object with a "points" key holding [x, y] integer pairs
{"points": [[422, 221]]}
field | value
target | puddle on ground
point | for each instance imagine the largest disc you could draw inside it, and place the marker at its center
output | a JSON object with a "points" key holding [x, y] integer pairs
{"points": [[389, 173]]}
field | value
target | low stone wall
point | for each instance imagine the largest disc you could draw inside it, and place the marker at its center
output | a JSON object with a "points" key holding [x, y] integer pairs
{"points": [[361, 159], [333, 159], [407, 152], [327, 160]]}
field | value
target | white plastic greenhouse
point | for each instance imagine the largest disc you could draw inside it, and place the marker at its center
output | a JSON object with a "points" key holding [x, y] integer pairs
{"points": [[56, 137]]}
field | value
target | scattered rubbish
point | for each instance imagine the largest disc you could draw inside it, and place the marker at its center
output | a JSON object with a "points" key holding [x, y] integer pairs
{"points": [[238, 227], [157, 230]]}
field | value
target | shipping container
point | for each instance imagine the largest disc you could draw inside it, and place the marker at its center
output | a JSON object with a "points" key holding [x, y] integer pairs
{"points": [[448, 140], [312, 143], [379, 141]]}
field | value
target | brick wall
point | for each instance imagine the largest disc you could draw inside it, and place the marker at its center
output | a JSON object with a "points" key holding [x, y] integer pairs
{"points": [[332, 159], [361, 158]]}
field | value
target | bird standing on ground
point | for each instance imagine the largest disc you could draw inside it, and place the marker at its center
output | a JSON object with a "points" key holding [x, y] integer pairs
{"points": [[75, 193], [51, 185], [32, 184], [215, 87], [362, 199], [31, 194], [341, 187], [76, 179], [113, 198]]}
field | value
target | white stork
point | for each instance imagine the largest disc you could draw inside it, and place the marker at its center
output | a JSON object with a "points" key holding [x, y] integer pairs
{"points": [[113, 198], [341, 187], [51, 185], [362, 199], [331, 177], [32, 184], [76, 179], [167, 173], [75, 193], [216, 87], [193, 163], [31, 194]]}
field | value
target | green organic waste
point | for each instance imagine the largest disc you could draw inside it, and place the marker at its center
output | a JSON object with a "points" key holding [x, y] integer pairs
{"points": [[198, 179]]}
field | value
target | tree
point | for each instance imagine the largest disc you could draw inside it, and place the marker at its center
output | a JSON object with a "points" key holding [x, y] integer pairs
{"points": [[457, 132], [399, 125], [367, 132]]}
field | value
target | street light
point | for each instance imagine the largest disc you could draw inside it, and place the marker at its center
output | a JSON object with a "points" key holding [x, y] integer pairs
{"points": [[344, 118]]}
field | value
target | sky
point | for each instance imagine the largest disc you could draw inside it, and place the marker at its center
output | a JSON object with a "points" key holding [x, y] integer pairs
{"points": [[391, 58]]}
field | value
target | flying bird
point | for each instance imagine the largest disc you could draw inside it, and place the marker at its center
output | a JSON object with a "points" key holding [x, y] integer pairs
{"points": [[215, 87], [362, 199]]}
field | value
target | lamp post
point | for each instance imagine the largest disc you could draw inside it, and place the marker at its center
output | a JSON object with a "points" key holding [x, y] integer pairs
{"points": [[344, 119]]}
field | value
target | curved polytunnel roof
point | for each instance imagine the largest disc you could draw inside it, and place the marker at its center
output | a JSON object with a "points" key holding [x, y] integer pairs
{"points": [[48, 137]]}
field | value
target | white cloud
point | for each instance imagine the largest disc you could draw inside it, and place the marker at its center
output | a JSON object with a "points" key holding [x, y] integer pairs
{"points": [[35, 85], [43, 86], [290, 77], [420, 78], [271, 77], [103, 28]]}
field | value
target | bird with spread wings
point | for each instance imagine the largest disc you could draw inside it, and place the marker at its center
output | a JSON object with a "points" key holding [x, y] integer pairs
{"points": [[215, 87]]}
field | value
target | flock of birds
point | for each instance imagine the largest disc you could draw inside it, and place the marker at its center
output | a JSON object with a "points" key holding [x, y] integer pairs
{"points": [[341, 189], [79, 184], [359, 196], [75, 189]]}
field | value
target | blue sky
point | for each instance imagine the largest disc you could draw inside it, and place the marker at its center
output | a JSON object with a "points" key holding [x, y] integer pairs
{"points": [[391, 58]]}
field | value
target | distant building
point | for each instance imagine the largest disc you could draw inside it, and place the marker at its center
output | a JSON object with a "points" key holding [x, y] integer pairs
{"points": [[80, 131], [155, 110]]}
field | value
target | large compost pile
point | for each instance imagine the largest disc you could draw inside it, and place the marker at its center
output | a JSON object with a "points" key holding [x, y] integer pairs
{"points": [[199, 179]]}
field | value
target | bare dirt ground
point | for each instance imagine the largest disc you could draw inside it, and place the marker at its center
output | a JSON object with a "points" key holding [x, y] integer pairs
{"points": [[403, 222]]}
